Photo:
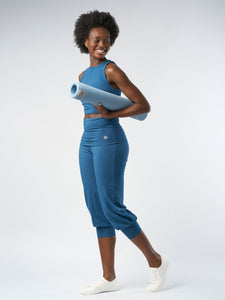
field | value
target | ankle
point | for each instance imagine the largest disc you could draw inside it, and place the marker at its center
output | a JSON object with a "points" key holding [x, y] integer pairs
{"points": [[155, 261], [109, 277]]}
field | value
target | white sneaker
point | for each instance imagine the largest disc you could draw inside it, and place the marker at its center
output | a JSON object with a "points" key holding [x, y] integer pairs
{"points": [[157, 275], [101, 286]]}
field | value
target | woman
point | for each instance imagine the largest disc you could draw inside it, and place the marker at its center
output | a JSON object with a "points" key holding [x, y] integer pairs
{"points": [[104, 150]]}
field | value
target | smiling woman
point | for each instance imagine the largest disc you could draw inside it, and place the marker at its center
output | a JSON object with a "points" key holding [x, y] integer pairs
{"points": [[91, 20], [104, 151], [98, 43]]}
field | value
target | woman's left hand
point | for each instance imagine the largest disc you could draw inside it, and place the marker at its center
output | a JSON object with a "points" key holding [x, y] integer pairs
{"points": [[102, 110]]}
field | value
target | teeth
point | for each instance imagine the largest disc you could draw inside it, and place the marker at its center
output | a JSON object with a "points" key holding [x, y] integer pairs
{"points": [[102, 51]]}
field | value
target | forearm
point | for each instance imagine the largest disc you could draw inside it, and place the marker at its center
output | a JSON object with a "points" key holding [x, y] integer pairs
{"points": [[133, 110]]}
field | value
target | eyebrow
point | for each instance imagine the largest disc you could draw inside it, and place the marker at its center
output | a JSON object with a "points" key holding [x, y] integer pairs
{"points": [[97, 37]]}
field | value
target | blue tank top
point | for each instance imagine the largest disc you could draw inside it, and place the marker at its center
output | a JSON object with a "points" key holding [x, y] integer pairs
{"points": [[95, 77]]}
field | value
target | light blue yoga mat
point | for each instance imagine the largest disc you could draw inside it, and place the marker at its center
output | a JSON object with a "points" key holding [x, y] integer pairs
{"points": [[92, 95]]}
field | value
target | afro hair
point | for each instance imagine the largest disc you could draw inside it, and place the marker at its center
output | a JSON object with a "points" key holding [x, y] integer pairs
{"points": [[90, 20]]}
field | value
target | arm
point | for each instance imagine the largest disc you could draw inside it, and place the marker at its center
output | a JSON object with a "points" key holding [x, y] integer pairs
{"points": [[81, 75], [118, 79]]}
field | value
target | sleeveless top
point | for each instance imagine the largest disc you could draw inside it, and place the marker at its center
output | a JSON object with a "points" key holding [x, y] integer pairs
{"points": [[95, 77]]}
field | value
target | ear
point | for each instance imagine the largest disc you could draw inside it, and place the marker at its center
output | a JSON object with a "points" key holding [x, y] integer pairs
{"points": [[86, 43]]}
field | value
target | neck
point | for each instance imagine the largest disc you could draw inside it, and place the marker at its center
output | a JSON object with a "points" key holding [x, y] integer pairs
{"points": [[95, 62]]}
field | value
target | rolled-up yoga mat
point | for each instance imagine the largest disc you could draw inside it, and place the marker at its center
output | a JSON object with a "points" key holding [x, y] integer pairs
{"points": [[92, 95]]}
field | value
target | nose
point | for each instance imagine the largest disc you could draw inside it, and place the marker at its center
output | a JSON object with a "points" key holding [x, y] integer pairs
{"points": [[102, 44]]}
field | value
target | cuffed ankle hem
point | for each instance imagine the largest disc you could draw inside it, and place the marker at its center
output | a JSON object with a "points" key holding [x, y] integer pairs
{"points": [[132, 230], [105, 232]]}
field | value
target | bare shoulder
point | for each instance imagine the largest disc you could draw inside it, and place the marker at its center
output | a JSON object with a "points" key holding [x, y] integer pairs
{"points": [[112, 68], [115, 76]]}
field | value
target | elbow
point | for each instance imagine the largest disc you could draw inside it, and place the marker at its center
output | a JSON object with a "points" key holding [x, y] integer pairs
{"points": [[143, 108], [148, 108]]}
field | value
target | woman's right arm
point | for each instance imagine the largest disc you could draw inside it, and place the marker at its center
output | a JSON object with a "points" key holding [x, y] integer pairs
{"points": [[81, 75]]}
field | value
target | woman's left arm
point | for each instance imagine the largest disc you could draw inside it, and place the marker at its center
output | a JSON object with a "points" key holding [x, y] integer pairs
{"points": [[118, 79]]}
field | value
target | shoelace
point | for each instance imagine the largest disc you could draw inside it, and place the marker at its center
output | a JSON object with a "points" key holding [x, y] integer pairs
{"points": [[153, 276], [96, 284]]}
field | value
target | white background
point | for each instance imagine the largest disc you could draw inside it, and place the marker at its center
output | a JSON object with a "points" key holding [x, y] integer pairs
{"points": [[174, 52]]}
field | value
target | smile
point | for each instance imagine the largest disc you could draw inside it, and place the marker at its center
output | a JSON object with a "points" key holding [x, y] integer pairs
{"points": [[101, 51]]}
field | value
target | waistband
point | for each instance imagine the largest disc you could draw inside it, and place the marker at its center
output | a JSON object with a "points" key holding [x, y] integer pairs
{"points": [[100, 132], [96, 123]]}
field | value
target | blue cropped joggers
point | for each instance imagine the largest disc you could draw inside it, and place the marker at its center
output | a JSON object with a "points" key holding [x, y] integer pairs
{"points": [[102, 157]]}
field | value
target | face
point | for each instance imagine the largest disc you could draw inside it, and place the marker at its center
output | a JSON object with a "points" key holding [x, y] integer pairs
{"points": [[98, 43]]}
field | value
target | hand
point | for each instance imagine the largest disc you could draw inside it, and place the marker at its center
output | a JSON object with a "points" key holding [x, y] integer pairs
{"points": [[102, 110]]}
